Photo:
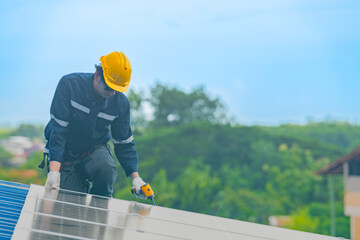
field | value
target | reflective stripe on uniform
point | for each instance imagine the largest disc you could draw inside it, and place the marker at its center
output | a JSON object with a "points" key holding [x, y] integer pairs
{"points": [[46, 150], [124, 141], [79, 106], [60, 122], [106, 116]]}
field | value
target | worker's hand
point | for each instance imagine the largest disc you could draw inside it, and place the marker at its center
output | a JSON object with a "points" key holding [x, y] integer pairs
{"points": [[137, 183], [53, 180]]}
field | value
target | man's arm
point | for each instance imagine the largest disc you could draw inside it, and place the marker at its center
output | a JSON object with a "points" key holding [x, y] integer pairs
{"points": [[124, 145], [124, 141], [124, 148], [59, 112], [135, 174], [54, 166]]}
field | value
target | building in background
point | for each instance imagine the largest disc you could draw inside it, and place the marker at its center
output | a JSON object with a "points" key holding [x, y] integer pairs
{"points": [[21, 147], [349, 166]]}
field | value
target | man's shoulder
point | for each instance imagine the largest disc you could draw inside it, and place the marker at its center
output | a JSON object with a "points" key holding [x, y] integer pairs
{"points": [[118, 102], [76, 77], [121, 97], [75, 82]]}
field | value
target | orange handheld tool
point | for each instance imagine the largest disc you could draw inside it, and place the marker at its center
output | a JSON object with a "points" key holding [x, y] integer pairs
{"points": [[146, 191]]}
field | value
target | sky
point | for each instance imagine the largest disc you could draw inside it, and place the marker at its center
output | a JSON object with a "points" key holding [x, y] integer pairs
{"points": [[270, 62]]}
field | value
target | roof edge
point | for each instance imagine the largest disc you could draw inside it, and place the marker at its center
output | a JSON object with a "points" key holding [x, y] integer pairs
{"points": [[336, 166]]}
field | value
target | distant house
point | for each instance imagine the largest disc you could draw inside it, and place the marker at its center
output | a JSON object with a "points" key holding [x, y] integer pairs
{"points": [[20, 147], [349, 166]]}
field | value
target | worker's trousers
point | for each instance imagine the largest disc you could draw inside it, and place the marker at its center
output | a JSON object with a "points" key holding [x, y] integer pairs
{"points": [[97, 168]]}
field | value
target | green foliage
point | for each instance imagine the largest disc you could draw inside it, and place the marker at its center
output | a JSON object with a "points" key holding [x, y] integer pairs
{"points": [[33, 162], [173, 106], [315, 217], [5, 157], [5, 132], [29, 130], [196, 188], [245, 204], [137, 115], [341, 134], [252, 173], [167, 190]]}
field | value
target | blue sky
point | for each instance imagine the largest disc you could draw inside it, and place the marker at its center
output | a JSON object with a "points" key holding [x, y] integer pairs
{"points": [[271, 62]]}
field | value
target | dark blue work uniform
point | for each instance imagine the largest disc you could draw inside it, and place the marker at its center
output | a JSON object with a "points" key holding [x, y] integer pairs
{"points": [[79, 131]]}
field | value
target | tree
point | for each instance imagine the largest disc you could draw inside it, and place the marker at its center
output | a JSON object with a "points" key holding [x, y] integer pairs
{"points": [[29, 130], [137, 113], [315, 217], [245, 204], [32, 162], [173, 106], [167, 190], [5, 157], [196, 188]]}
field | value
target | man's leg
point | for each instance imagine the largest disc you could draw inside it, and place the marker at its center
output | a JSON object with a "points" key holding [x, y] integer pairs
{"points": [[72, 180], [101, 168]]}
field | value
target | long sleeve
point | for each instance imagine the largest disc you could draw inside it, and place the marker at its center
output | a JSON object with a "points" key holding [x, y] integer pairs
{"points": [[124, 141], [57, 128]]}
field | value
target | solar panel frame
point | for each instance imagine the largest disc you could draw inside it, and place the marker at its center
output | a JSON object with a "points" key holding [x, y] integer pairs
{"points": [[73, 215]]}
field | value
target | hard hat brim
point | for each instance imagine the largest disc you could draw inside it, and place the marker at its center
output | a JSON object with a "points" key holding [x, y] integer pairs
{"points": [[115, 87]]}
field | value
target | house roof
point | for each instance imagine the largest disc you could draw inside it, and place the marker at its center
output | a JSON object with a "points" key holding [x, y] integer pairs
{"points": [[336, 167]]}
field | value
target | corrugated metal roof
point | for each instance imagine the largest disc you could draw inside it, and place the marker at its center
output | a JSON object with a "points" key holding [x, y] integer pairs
{"points": [[12, 199], [62, 214]]}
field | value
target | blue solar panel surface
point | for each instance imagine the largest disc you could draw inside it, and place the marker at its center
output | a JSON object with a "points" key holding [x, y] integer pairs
{"points": [[12, 199]]}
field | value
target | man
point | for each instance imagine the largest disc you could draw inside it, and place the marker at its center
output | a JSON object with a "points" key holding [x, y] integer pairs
{"points": [[84, 109]]}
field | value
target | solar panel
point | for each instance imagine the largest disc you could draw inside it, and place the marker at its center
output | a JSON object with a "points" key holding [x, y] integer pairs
{"points": [[12, 198], [61, 214]]}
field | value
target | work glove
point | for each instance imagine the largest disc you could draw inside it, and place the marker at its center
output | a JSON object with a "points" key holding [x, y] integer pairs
{"points": [[53, 180], [137, 183]]}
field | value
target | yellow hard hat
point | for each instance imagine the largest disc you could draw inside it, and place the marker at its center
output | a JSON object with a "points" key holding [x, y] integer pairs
{"points": [[117, 71]]}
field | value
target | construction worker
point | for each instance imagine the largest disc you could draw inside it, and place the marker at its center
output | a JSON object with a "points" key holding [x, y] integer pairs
{"points": [[84, 109]]}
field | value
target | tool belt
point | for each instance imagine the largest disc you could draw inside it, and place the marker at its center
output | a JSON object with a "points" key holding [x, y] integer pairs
{"points": [[75, 159], [70, 157]]}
